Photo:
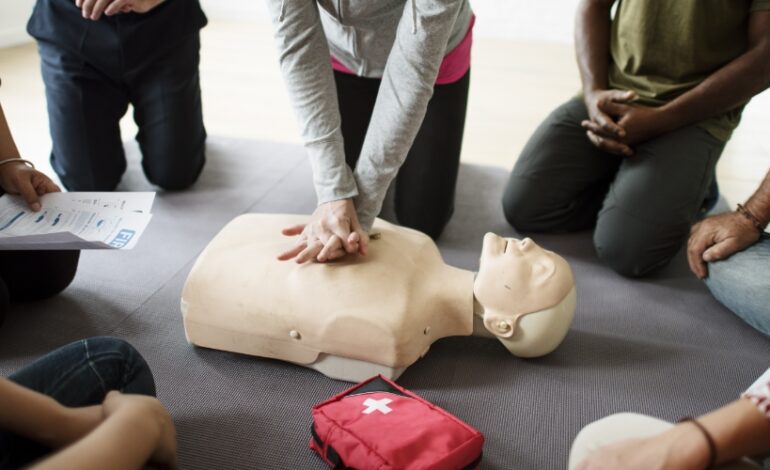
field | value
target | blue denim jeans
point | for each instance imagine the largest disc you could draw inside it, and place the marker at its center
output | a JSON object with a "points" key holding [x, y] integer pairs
{"points": [[742, 283], [79, 374]]}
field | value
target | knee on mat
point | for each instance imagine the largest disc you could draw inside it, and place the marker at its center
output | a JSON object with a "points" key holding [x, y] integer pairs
{"points": [[80, 182], [174, 179], [739, 284], [120, 365], [175, 172], [519, 207], [630, 256], [64, 265]]}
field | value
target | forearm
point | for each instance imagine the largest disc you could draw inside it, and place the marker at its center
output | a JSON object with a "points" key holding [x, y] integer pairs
{"points": [[306, 67], [402, 101], [29, 414], [123, 441], [730, 86], [739, 430], [7, 145], [759, 202], [592, 43], [40, 418]]}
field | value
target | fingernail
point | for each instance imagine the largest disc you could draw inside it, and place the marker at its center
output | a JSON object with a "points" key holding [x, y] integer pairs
{"points": [[36, 206]]}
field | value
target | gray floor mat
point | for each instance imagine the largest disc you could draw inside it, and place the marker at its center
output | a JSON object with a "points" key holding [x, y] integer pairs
{"points": [[661, 346]]}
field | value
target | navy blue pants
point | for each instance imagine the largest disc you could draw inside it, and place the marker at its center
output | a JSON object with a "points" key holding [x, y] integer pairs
{"points": [[76, 375], [89, 86]]}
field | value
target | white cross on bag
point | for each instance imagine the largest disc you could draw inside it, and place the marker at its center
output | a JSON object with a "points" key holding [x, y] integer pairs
{"points": [[377, 405]]}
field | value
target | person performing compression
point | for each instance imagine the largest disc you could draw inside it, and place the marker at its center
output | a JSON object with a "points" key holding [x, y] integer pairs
{"points": [[379, 89]]}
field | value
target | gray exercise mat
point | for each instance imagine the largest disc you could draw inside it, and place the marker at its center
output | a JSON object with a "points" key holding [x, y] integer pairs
{"points": [[661, 346]]}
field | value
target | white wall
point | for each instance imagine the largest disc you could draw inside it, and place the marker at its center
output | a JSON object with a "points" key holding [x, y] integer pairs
{"points": [[525, 20], [13, 21]]}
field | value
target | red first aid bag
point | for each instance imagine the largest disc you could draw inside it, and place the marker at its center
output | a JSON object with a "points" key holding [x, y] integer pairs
{"points": [[379, 425]]}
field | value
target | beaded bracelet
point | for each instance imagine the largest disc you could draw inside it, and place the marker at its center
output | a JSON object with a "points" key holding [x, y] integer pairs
{"points": [[752, 218], [709, 439], [20, 160]]}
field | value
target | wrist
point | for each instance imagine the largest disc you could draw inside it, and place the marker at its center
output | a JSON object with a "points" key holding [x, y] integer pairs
{"points": [[10, 161], [670, 117], [691, 446], [590, 90], [762, 215], [752, 217]]}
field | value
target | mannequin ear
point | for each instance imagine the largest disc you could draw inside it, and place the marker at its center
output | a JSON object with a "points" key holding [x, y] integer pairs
{"points": [[499, 326]]}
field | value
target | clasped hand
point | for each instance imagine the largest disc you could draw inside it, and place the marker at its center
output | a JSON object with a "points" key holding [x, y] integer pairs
{"points": [[333, 232], [615, 125]]}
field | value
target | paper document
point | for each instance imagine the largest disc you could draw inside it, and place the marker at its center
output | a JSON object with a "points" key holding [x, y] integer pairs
{"points": [[75, 221]]}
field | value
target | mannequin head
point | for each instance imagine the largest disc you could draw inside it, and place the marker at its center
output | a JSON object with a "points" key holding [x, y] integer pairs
{"points": [[527, 295]]}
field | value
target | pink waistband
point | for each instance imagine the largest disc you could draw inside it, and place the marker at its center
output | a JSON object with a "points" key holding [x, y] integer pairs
{"points": [[455, 64]]}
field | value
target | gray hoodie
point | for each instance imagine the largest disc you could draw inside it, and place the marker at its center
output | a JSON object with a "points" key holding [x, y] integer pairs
{"points": [[401, 41]]}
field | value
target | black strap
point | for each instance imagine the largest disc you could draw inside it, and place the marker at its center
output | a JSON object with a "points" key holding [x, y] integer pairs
{"points": [[333, 457], [331, 454], [474, 464]]}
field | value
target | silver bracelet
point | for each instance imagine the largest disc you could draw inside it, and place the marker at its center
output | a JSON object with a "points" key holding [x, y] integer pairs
{"points": [[20, 160]]}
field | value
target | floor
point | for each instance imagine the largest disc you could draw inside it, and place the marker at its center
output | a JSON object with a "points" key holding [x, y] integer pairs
{"points": [[244, 97]]}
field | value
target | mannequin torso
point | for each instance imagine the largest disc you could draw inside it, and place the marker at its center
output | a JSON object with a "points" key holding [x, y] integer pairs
{"points": [[385, 309]]}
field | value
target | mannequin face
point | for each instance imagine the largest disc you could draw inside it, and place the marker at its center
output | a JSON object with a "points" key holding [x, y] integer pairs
{"points": [[517, 278]]}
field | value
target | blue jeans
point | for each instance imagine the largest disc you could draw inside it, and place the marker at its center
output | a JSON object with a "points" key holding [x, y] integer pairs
{"points": [[742, 284], [79, 374]]}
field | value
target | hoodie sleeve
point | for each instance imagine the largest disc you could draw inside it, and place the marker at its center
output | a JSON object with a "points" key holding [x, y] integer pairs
{"points": [[407, 86], [305, 64]]}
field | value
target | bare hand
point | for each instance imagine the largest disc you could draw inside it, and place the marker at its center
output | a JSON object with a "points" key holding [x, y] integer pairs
{"points": [[18, 178], [93, 9], [718, 237], [333, 232], [605, 133], [631, 124], [150, 411]]}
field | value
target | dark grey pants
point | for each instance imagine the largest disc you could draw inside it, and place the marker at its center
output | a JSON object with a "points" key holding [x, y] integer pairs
{"points": [[641, 206]]}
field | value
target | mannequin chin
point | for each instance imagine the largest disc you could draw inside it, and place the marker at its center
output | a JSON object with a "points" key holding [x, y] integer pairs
{"points": [[361, 316]]}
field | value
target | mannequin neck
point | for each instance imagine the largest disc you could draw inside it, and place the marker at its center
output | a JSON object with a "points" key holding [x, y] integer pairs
{"points": [[478, 321], [452, 297]]}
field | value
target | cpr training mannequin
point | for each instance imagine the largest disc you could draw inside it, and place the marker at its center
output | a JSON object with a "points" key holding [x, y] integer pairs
{"points": [[360, 316]]}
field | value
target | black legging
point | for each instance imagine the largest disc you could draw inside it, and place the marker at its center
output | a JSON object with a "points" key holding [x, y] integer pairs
{"points": [[425, 185], [32, 275]]}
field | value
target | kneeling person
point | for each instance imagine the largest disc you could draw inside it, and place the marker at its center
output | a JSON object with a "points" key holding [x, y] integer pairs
{"points": [[664, 84]]}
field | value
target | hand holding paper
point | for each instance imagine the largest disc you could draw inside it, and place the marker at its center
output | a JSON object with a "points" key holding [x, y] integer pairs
{"points": [[78, 220]]}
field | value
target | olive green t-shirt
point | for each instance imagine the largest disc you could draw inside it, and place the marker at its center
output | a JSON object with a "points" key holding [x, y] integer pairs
{"points": [[663, 48]]}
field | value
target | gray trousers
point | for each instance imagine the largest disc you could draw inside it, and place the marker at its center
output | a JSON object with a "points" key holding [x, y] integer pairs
{"points": [[641, 206]]}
